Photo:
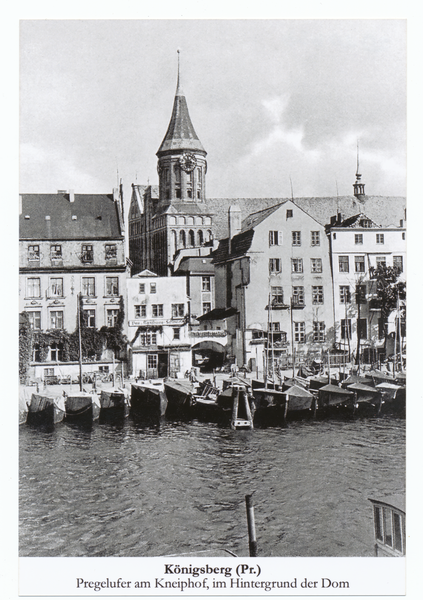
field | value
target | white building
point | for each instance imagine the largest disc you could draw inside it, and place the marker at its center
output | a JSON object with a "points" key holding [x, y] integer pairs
{"points": [[158, 325], [357, 244]]}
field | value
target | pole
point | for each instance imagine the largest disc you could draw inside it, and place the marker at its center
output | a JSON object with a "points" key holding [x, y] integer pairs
{"points": [[347, 330], [251, 525], [80, 342], [268, 341], [399, 332], [113, 369], [292, 340]]}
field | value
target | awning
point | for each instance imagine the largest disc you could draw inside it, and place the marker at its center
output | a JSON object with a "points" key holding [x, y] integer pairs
{"points": [[217, 314]]}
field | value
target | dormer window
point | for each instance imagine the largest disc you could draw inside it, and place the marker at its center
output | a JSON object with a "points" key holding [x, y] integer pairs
{"points": [[55, 253], [87, 255], [34, 252], [111, 252], [365, 223]]}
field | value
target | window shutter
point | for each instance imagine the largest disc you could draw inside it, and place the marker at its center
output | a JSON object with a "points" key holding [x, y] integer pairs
{"points": [[280, 238]]}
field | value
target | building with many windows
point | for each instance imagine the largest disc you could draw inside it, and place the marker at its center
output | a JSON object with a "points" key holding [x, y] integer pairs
{"points": [[158, 330], [274, 270], [357, 244], [71, 244]]}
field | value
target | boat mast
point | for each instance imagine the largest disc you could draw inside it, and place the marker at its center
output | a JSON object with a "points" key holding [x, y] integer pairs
{"points": [[292, 340], [80, 341], [399, 333], [267, 344]]}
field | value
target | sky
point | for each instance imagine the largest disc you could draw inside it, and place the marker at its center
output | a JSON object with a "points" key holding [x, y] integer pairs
{"points": [[273, 102]]}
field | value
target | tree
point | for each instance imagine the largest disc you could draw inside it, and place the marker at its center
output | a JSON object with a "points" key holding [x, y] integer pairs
{"points": [[389, 290]]}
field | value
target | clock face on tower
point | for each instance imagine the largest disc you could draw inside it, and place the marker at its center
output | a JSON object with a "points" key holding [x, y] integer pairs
{"points": [[187, 162]]}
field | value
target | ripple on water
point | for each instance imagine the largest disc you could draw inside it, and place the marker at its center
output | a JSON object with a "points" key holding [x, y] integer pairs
{"points": [[175, 487]]}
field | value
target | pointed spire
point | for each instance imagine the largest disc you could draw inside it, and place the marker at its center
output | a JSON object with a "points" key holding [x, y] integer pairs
{"points": [[180, 134], [358, 186], [179, 91]]}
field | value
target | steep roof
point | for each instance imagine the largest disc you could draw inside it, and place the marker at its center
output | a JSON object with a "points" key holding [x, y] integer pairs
{"points": [[195, 264], [355, 221], [384, 210], [185, 208], [240, 244], [89, 216], [180, 134]]}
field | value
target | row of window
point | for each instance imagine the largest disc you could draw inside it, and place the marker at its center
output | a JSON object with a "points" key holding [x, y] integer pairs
{"points": [[177, 310], [205, 286], [297, 266], [360, 264], [358, 238], [86, 256], [276, 238], [318, 335], [56, 318], [298, 295], [56, 288], [149, 338]]}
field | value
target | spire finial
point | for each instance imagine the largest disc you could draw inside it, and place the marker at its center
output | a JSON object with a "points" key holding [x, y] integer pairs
{"points": [[179, 91], [358, 176]]}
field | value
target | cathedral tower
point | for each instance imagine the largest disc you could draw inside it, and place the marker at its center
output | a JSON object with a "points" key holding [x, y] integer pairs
{"points": [[177, 221], [181, 157]]}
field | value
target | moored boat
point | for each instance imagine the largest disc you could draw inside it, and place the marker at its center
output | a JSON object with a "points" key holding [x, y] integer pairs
{"points": [[82, 406], [389, 525], [333, 397], [177, 394], [393, 397], [298, 400], [269, 404], [367, 399], [114, 402], [148, 399], [45, 408]]}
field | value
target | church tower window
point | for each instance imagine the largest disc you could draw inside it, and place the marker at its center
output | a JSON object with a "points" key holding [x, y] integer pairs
{"points": [[191, 238]]}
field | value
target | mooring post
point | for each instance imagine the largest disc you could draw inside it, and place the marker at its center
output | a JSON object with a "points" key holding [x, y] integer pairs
{"points": [[248, 410], [251, 525], [235, 397]]}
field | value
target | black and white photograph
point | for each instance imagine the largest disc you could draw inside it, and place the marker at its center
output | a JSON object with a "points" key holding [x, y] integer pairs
{"points": [[212, 298]]}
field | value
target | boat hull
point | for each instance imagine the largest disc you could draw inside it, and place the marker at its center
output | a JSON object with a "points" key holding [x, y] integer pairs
{"points": [[148, 400], [178, 394], [44, 410], [82, 407]]}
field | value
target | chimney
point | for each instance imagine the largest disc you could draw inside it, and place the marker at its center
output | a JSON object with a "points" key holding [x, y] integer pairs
{"points": [[115, 194], [71, 196], [234, 223]]}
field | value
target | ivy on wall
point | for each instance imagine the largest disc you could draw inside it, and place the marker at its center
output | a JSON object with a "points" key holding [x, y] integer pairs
{"points": [[93, 341], [26, 342]]}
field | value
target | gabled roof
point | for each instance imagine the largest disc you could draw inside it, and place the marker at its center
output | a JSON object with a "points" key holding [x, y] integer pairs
{"points": [[385, 210], [196, 264], [240, 245], [255, 218], [357, 221], [185, 208], [89, 216], [146, 273]]}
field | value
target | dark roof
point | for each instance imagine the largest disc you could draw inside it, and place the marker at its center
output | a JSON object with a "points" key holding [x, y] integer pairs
{"points": [[196, 264], [256, 218], [355, 221], [186, 208], [387, 211], [96, 215], [180, 134], [241, 243], [217, 314]]}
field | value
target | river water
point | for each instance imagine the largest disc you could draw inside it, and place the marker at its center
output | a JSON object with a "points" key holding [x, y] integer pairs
{"points": [[179, 487]]}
